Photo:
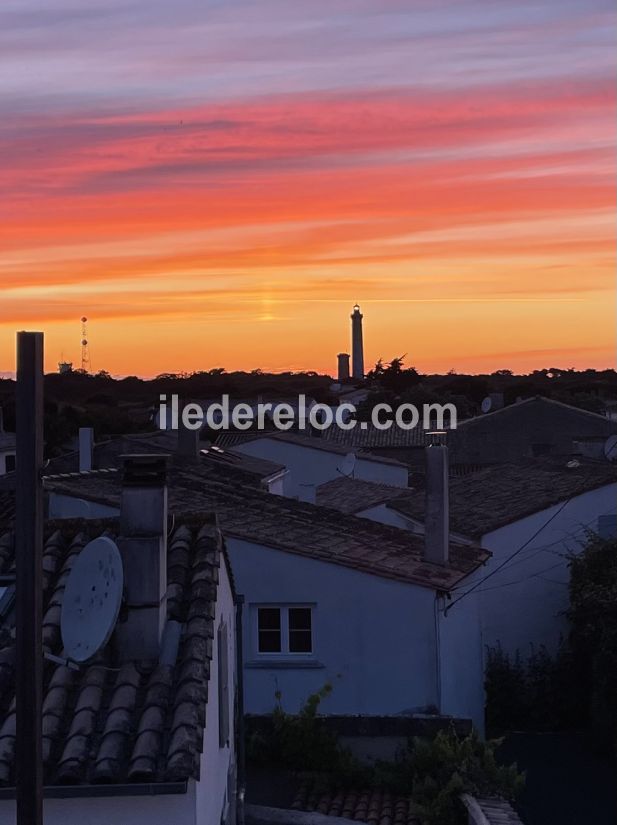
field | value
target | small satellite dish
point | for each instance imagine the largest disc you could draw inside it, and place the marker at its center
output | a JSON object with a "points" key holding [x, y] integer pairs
{"points": [[92, 599], [487, 403], [348, 465], [610, 447]]}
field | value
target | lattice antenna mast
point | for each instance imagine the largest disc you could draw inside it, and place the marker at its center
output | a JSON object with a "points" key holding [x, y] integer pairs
{"points": [[85, 352]]}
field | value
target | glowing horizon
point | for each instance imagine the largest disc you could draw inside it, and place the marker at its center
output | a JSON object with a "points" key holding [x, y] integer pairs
{"points": [[216, 184]]}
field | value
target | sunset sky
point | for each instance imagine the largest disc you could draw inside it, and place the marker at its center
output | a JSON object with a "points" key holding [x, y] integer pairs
{"points": [[216, 182]]}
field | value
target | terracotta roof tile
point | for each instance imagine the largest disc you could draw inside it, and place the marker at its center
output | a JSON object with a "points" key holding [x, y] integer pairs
{"points": [[371, 805], [323, 533], [112, 722], [495, 496], [352, 495]]}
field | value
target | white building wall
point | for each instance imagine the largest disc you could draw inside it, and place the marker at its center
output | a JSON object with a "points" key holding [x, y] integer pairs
{"points": [[98, 810], [374, 638], [62, 506], [461, 659], [211, 791], [313, 466], [524, 603]]}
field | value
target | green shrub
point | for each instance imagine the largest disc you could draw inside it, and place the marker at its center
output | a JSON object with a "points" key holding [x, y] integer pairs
{"points": [[435, 772]]}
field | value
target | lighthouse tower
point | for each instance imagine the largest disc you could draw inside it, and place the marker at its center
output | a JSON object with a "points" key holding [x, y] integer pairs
{"points": [[357, 347]]}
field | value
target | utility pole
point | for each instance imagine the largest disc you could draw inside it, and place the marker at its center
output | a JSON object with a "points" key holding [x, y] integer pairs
{"points": [[29, 577]]}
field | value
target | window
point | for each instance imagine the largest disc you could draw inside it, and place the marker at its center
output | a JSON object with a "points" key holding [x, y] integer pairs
{"points": [[10, 463], [285, 630]]}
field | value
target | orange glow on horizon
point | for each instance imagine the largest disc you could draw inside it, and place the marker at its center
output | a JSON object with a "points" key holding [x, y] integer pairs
{"points": [[476, 230]]}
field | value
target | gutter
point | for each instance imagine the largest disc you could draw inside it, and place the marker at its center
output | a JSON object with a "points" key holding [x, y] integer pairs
{"points": [[105, 791]]}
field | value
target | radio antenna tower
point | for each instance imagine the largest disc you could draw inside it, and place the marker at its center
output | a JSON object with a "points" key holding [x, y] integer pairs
{"points": [[85, 353]]}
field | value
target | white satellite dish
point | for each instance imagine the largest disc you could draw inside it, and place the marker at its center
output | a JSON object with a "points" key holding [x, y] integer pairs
{"points": [[610, 447], [348, 465], [487, 403], [92, 599]]}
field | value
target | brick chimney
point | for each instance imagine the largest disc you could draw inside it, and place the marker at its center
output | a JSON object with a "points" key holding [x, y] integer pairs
{"points": [[437, 521], [143, 546]]}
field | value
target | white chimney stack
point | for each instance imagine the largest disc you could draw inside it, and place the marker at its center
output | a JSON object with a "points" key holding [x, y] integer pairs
{"points": [[437, 519], [86, 449], [143, 546]]}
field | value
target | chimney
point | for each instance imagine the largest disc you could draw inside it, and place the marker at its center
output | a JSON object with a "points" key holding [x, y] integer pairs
{"points": [[343, 366], [188, 440], [437, 522], [143, 546], [86, 448]]}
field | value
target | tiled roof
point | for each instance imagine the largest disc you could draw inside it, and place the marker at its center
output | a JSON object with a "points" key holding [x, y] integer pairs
{"points": [[373, 806], [304, 529], [232, 465], [352, 495], [111, 723], [493, 497], [226, 458], [371, 437], [491, 811], [535, 401], [315, 442]]}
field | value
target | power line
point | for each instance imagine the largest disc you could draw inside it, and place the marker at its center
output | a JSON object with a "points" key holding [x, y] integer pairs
{"points": [[524, 579], [509, 559]]}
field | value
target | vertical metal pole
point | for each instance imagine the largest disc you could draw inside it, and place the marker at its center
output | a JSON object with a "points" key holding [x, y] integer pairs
{"points": [[28, 592]]}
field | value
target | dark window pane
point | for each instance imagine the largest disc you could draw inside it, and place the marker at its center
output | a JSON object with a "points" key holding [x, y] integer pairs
{"points": [[10, 463], [269, 630], [299, 618], [300, 635], [300, 641], [269, 618], [269, 641]]}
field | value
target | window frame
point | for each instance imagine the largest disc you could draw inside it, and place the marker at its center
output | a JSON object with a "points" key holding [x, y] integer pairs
{"points": [[285, 653]]}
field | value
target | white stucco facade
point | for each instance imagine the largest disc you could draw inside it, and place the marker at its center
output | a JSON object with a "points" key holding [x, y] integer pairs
{"points": [[312, 465], [384, 645], [523, 604]]}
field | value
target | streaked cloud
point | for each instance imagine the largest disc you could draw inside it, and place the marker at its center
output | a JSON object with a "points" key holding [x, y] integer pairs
{"points": [[210, 166]]}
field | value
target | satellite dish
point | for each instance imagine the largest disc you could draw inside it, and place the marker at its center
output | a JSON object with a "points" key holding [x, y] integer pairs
{"points": [[610, 447], [348, 465], [91, 599], [487, 403]]}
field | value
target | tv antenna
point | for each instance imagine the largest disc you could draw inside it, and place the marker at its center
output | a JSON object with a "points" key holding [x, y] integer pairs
{"points": [[85, 352], [92, 600], [348, 465]]}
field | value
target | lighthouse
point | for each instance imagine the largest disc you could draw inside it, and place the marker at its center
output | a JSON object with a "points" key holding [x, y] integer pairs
{"points": [[357, 347]]}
